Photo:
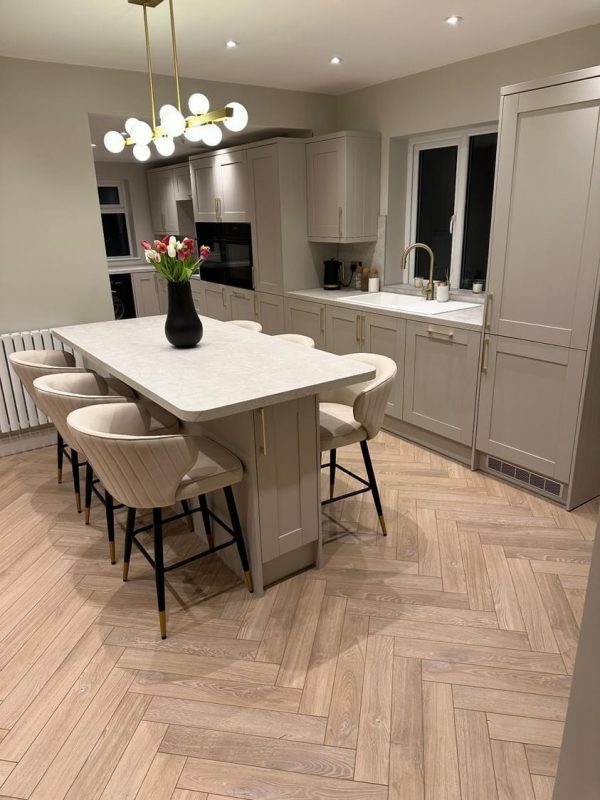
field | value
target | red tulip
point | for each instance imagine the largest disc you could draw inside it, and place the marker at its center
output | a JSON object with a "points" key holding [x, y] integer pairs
{"points": [[166, 238], [146, 245]]}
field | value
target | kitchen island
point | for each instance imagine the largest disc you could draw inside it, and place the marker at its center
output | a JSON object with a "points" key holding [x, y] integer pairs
{"points": [[254, 394]]}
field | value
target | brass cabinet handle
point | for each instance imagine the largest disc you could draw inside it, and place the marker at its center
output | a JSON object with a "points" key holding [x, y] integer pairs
{"points": [[488, 311], [255, 305], [485, 355], [357, 328], [364, 328], [223, 296], [217, 209], [263, 446], [340, 222], [322, 316], [432, 332]]}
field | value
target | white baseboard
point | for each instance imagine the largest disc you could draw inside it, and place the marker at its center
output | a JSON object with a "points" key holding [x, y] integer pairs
{"points": [[23, 441]]}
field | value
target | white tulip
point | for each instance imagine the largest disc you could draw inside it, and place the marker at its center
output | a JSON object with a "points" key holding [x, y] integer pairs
{"points": [[150, 255], [171, 251]]}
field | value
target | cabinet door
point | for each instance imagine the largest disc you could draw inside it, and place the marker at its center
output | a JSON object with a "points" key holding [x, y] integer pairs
{"points": [[306, 318], [199, 296], [182, 183], [241, 304], [270, 313], [325, 174], [146, 296], [344, 330], [233, 198], [215, 299], [203, 174], [440, 379], [546, 238], [288, 495], [162, 293], [529, 404], [385, 336], [263, 169], [163, 209]]}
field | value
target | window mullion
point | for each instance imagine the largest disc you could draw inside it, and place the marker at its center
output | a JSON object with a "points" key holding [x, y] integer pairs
{"points": [[460, 194]]}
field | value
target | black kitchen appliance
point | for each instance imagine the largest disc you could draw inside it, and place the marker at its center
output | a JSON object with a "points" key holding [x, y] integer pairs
{"points": [[331, 274], [122, 295], [230, 260]]}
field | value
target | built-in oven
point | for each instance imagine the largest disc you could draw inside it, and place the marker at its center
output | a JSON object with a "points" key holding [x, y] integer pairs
{"points": [[230, 259]]}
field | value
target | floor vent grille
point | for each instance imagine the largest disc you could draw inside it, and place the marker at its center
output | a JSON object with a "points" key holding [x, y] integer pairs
{"points": [[538, 482]]}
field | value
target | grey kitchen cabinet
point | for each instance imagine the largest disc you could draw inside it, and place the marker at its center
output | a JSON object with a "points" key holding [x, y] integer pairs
{"points": [[219, 184], [289, 506], [546, 234], [199, 296], [385, 336], [242, 304], [343, 175], [163, 207], [270, 312], [343, 330], [529, 404], [145, 293], [216, 301], [182, 183], [162, 291], [307, 318], [440, 379], [204, 188], [267, 249]]}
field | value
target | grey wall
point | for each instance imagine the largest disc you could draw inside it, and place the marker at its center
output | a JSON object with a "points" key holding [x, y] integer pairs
{"points": [[48, 196]]}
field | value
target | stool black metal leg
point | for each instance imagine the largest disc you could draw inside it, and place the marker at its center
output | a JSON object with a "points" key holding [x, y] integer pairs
{"points": [[239, 539], [373, 484], [110, 526], [332, 463], [206, 520], [128, 541], [89, 480], [186, 507], [59, 455], [75, 468], [159, 570]]}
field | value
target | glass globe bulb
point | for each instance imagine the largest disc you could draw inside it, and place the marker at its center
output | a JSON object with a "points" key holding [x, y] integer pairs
{"points": [[114, 142], [194, 134], [141, 152], [141, 133], [165, 145], [212, 134], [172, 120], [239, 120], [130, 123], [198, 103]]}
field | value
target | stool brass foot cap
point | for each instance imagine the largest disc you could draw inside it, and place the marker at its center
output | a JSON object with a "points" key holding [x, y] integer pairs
{"points": [[78, 502], [248, 580], [162, 618], [111, 550], [59, 475], [87, 515], [125, 570], [382, 523], [331, 492]]}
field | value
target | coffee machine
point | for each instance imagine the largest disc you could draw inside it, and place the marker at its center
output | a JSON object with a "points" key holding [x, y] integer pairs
{"points": [[331, 274]]}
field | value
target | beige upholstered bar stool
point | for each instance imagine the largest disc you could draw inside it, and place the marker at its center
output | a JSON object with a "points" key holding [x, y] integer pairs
{"points": [[355, 414], [296, 338], [32, 364], [146, 468], [63, 393], [249, 324]]}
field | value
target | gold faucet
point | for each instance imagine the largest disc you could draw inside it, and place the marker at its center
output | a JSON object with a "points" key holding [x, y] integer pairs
{"points": [[426, 290]]}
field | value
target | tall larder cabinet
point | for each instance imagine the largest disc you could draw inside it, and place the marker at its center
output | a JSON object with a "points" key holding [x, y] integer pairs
{"points": [[539, 406]]}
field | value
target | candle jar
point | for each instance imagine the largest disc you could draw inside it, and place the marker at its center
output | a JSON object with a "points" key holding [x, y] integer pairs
{"points": [[477, 287]]}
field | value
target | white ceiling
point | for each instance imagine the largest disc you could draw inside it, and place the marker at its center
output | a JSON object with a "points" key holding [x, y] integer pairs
{"points": [[284, 43]]}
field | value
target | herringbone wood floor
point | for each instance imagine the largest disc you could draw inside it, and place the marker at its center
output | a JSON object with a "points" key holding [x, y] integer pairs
{"points": [[431, 665]]}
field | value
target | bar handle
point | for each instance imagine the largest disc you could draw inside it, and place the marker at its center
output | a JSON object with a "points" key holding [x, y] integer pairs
{"points": [[322, 318], [432, 332], [488, 311], [485, 355], [255, 305], [340, 221], [357, 328], [223, 296], [364, 328], [263, 445]]}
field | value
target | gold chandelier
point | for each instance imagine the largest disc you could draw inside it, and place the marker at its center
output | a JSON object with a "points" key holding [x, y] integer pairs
{"points": [[200, 126]]}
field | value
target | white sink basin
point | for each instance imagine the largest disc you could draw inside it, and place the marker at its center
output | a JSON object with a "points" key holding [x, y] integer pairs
{"points": [[407, 302]]}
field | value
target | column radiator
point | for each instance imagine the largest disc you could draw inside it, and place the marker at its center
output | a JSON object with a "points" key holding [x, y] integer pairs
{"points": [[17, 409]]}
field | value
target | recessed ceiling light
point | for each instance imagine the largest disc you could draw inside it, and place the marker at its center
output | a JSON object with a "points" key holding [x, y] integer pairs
{"points": [[335, 60], [231, 43], [453, 20]]}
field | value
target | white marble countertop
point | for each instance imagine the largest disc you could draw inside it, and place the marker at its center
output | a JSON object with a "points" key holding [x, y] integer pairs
{"points": [[469, 318], [231, 370]]}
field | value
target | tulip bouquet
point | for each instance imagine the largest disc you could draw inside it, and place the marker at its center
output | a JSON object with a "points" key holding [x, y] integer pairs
{"points": [[175, 260]]}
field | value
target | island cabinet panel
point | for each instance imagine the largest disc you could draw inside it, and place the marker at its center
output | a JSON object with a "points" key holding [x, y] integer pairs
{"points": [[344, 330], [215, 301], [440, 379], [529, 404], [287, 459], [307, 318], [270, 313], [545, 245], [385, 336]]}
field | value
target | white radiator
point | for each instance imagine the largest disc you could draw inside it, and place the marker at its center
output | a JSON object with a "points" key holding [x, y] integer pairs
{"points": [[17, 409]]}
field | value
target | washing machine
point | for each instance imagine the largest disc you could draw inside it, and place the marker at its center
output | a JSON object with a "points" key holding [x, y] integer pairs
{"points": [[122, 296]]}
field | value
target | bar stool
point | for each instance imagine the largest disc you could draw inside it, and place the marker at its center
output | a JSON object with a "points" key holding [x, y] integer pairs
{"points": [[295, 338], [61, 394], [249, 324], [32, 364], [144, 468], [355, 414]]}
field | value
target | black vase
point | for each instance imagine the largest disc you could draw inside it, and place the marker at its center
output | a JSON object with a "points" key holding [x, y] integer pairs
{"points": [[183, 327]]}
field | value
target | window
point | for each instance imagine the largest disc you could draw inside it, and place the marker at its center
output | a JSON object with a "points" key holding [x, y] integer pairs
{"points": [[449, 204], [114, 211]]}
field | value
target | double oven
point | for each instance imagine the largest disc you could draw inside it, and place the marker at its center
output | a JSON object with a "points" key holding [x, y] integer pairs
{"points": [[230, 259]]}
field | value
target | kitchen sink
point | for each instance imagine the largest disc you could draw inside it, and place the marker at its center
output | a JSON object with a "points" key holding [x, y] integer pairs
{"points": [[410, 303]]}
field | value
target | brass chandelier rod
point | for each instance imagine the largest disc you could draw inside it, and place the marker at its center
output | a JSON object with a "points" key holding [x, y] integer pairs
{"points": [[175, 60], [149, 59]]}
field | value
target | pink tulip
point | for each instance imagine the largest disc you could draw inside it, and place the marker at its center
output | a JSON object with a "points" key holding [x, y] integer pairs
{"points": [[146, 245]]}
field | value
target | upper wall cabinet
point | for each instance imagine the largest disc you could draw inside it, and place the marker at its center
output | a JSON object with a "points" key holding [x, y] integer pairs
{"points": [[219, 184], [343, 174], [163, 207], [546, 234]]}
